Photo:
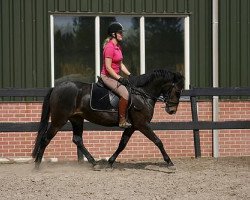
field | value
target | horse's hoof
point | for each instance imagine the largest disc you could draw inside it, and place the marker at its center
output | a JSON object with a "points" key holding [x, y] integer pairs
{"points": [[81, 161], [97, 167], [37, 166], [109, 167], [171, 167]]}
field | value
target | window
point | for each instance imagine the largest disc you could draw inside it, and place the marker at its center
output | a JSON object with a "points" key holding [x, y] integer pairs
{"points": [[149, 43], [74, 49], [164, 47]]}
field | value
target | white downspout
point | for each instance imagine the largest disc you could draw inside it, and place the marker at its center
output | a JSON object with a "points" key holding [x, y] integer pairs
{"points": [[97, 47], [142, 45], [52, 56], [215, 45], [187, 52]]}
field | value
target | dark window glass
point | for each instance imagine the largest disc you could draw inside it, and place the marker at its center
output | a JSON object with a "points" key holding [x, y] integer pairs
{"points": [[164, 43], [74, 42]]}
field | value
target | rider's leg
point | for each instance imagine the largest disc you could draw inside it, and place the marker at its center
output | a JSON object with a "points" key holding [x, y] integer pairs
{"points": [[123, 105], [122, 91]]}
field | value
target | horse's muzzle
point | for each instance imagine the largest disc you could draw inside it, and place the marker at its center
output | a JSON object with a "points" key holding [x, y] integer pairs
{"points": [[171, 110]]}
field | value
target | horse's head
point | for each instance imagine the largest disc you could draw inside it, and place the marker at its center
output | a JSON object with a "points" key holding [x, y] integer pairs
{"points": [[162, 82], [171, 93]]}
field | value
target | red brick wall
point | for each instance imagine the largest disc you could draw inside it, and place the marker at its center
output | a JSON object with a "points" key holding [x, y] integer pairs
{"points": [[103, 144], [234, 142]]}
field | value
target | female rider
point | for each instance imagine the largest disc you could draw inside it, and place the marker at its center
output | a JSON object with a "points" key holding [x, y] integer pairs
{"points": [[112, 65]]}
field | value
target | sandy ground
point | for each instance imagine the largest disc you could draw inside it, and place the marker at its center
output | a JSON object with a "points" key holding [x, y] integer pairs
{"points": [[205, 178]]}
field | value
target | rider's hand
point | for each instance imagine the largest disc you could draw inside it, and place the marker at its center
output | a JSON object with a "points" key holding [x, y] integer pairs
{"points": [[131, 76], [124, 81]]}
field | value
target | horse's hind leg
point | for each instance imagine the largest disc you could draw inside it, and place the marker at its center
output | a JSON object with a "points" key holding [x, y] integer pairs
{"points": [[45, 140], [77, 124], [123, 142]]}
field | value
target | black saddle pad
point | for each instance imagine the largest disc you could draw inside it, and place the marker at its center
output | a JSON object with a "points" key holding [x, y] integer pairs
{"points": [[103, 99]]}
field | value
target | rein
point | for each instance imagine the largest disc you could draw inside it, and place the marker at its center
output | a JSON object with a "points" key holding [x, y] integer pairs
{"points": [[144, 94], [159, 99]]}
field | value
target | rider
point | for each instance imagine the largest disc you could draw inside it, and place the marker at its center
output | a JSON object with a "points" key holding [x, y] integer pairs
{"points": [[112, 64]]}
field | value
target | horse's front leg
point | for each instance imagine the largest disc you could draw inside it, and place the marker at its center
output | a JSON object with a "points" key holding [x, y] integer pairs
{"points": [[123, 142], [149, 133]]}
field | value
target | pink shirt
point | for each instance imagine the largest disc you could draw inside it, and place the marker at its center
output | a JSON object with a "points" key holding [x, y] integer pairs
{"points": [[115, 53]]}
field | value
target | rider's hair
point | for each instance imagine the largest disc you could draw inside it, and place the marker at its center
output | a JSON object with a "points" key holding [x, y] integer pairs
{"points": [[106, 41]]}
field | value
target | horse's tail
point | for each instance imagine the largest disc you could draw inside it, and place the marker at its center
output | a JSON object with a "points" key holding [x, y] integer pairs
{"points": [[43, 123]]}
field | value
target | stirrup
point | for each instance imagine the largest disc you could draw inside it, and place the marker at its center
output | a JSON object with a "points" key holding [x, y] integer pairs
{"points": [[124, 124]]}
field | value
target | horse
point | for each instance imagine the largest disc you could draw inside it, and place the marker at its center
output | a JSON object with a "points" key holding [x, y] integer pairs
{"points": [[70, 100]]}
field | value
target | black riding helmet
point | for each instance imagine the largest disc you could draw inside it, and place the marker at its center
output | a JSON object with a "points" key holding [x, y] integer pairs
{"points": [[114, 27]]}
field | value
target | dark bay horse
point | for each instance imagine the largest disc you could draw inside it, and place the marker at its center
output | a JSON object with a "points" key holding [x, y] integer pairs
{"points": [[70, 100]]}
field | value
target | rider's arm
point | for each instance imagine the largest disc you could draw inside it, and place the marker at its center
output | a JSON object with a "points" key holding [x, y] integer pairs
{"points": [[124, 69]]}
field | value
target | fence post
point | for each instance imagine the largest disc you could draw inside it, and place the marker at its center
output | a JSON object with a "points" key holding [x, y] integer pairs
{"points": [[196, 132]]}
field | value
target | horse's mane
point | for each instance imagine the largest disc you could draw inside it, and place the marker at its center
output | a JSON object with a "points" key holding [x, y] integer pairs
{"points": [[144, 79]]}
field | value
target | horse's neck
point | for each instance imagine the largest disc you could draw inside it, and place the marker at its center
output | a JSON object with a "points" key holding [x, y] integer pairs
{"points": [[153, 88]]}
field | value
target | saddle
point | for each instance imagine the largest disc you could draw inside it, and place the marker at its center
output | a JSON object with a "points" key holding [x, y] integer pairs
{"points": [[102, 98]]}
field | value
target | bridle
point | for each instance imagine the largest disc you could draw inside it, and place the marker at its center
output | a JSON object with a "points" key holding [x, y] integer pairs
{"points": [[167, 100], [162, 98]]}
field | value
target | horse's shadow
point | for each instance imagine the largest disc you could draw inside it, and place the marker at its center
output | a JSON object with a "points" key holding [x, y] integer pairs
{"points": [[152, 166]]}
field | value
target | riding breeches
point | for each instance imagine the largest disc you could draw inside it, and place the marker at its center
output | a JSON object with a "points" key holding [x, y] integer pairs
{"points": [[115, 86]]}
